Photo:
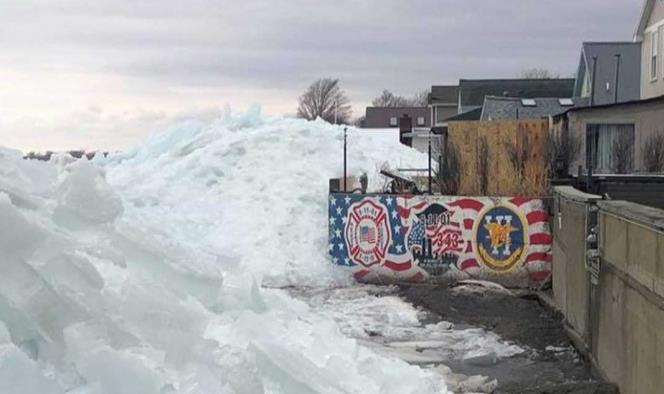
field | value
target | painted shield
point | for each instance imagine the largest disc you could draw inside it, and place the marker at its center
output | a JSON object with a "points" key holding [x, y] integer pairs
{"points": [[500, 238], [367, 233]]}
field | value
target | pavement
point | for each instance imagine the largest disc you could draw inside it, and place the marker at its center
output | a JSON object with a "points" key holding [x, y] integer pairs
{"points": [[549, 363]]}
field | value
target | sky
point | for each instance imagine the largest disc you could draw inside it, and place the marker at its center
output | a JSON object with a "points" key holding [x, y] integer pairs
{"points": [[104, 74]]}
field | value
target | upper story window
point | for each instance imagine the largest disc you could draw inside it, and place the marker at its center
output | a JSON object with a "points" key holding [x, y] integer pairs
{"points": [[393, 121], [420, 120], [654, 49]]}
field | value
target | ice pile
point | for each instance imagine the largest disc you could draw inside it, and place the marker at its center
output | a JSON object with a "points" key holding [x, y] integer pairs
{"points": [[145, 272], [252, 188]]}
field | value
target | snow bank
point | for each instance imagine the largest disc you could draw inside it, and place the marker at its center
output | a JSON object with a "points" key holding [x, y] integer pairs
{"points": [[142, 273]]}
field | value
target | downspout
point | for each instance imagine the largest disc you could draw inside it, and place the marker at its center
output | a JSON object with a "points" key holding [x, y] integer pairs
{"points": [[615, 100], [592, 87]]}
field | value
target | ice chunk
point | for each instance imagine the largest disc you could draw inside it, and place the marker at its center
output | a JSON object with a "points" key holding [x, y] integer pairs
{"points": [[19, 237], [86, 197], [5, 337], [19, 374]]}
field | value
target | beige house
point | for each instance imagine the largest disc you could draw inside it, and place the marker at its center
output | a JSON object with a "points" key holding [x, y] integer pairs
{"points": [[597, 129], [650, 33]]}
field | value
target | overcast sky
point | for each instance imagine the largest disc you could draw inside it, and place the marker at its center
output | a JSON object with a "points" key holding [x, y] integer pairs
{"points": [[104, 73]]}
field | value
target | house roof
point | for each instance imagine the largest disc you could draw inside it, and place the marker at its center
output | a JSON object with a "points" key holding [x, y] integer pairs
{"points": [[474, 114], [473, 91], [497, 108], [629, 87], [444, 94], [656, 99], [646, 10]]}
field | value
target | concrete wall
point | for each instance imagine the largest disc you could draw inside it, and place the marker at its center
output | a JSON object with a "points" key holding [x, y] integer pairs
{"points": [[394, 238], [570, 280], [648, 119], [619, 318]]}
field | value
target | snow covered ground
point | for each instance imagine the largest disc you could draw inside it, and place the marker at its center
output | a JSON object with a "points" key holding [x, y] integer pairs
{"points": [[156, 270]]}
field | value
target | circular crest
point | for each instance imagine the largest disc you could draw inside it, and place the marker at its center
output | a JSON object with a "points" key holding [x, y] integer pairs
{"points": [[500, 237]]}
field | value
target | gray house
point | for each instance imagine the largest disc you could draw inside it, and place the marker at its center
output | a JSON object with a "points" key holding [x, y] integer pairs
{"points": [[388, 117], [610, 60], [443, 104]]}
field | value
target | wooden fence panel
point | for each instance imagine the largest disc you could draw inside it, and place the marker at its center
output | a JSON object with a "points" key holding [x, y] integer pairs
{"points": [[502, 158]]}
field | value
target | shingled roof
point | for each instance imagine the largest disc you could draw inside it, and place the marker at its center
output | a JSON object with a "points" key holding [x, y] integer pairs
{"points": [[497, 108], [473, 91]]}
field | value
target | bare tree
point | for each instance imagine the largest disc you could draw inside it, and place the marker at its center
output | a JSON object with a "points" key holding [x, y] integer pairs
{"points": [[537, 73], [563, 149], [420, 99], [448, 174], [653, 152], [519, 153], [622, 152], [326, 100], [389, 99], [483, 164]]}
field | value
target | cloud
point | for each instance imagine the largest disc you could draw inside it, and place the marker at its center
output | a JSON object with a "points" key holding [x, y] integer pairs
{"points": [[161, 56]]}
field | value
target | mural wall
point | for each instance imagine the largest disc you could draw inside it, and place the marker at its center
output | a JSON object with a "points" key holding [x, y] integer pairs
{"points": [[388, 238]]}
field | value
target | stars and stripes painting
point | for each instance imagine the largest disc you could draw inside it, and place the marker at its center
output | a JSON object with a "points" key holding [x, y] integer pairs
{"points": [[388, 238]]}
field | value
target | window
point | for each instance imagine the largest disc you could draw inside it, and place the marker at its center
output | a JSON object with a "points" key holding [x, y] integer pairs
{"points": [[565, 102], [610, 148], [420, 120], [393, 121], [654, 49], [528, 103]]}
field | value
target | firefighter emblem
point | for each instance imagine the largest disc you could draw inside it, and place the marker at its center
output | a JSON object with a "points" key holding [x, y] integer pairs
{"points": [[367, 233]]}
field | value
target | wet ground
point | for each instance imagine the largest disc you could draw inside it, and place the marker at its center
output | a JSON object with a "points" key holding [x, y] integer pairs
{"points": [[478, 338], [548, 364]]}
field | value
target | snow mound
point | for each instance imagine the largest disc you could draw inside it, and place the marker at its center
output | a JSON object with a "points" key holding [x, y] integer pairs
{"points": [[144, 272]]}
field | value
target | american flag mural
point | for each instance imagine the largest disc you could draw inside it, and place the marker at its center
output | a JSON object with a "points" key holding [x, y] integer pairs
{"points": [[391, 238]]}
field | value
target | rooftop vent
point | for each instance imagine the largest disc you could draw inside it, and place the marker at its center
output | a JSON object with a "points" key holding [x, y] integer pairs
{"points": [[565, 102], [528, 103]]}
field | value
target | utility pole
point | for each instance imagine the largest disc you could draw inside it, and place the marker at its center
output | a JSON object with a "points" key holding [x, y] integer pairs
{"points": [[615, 100], [429, 139], [345, 156]]}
